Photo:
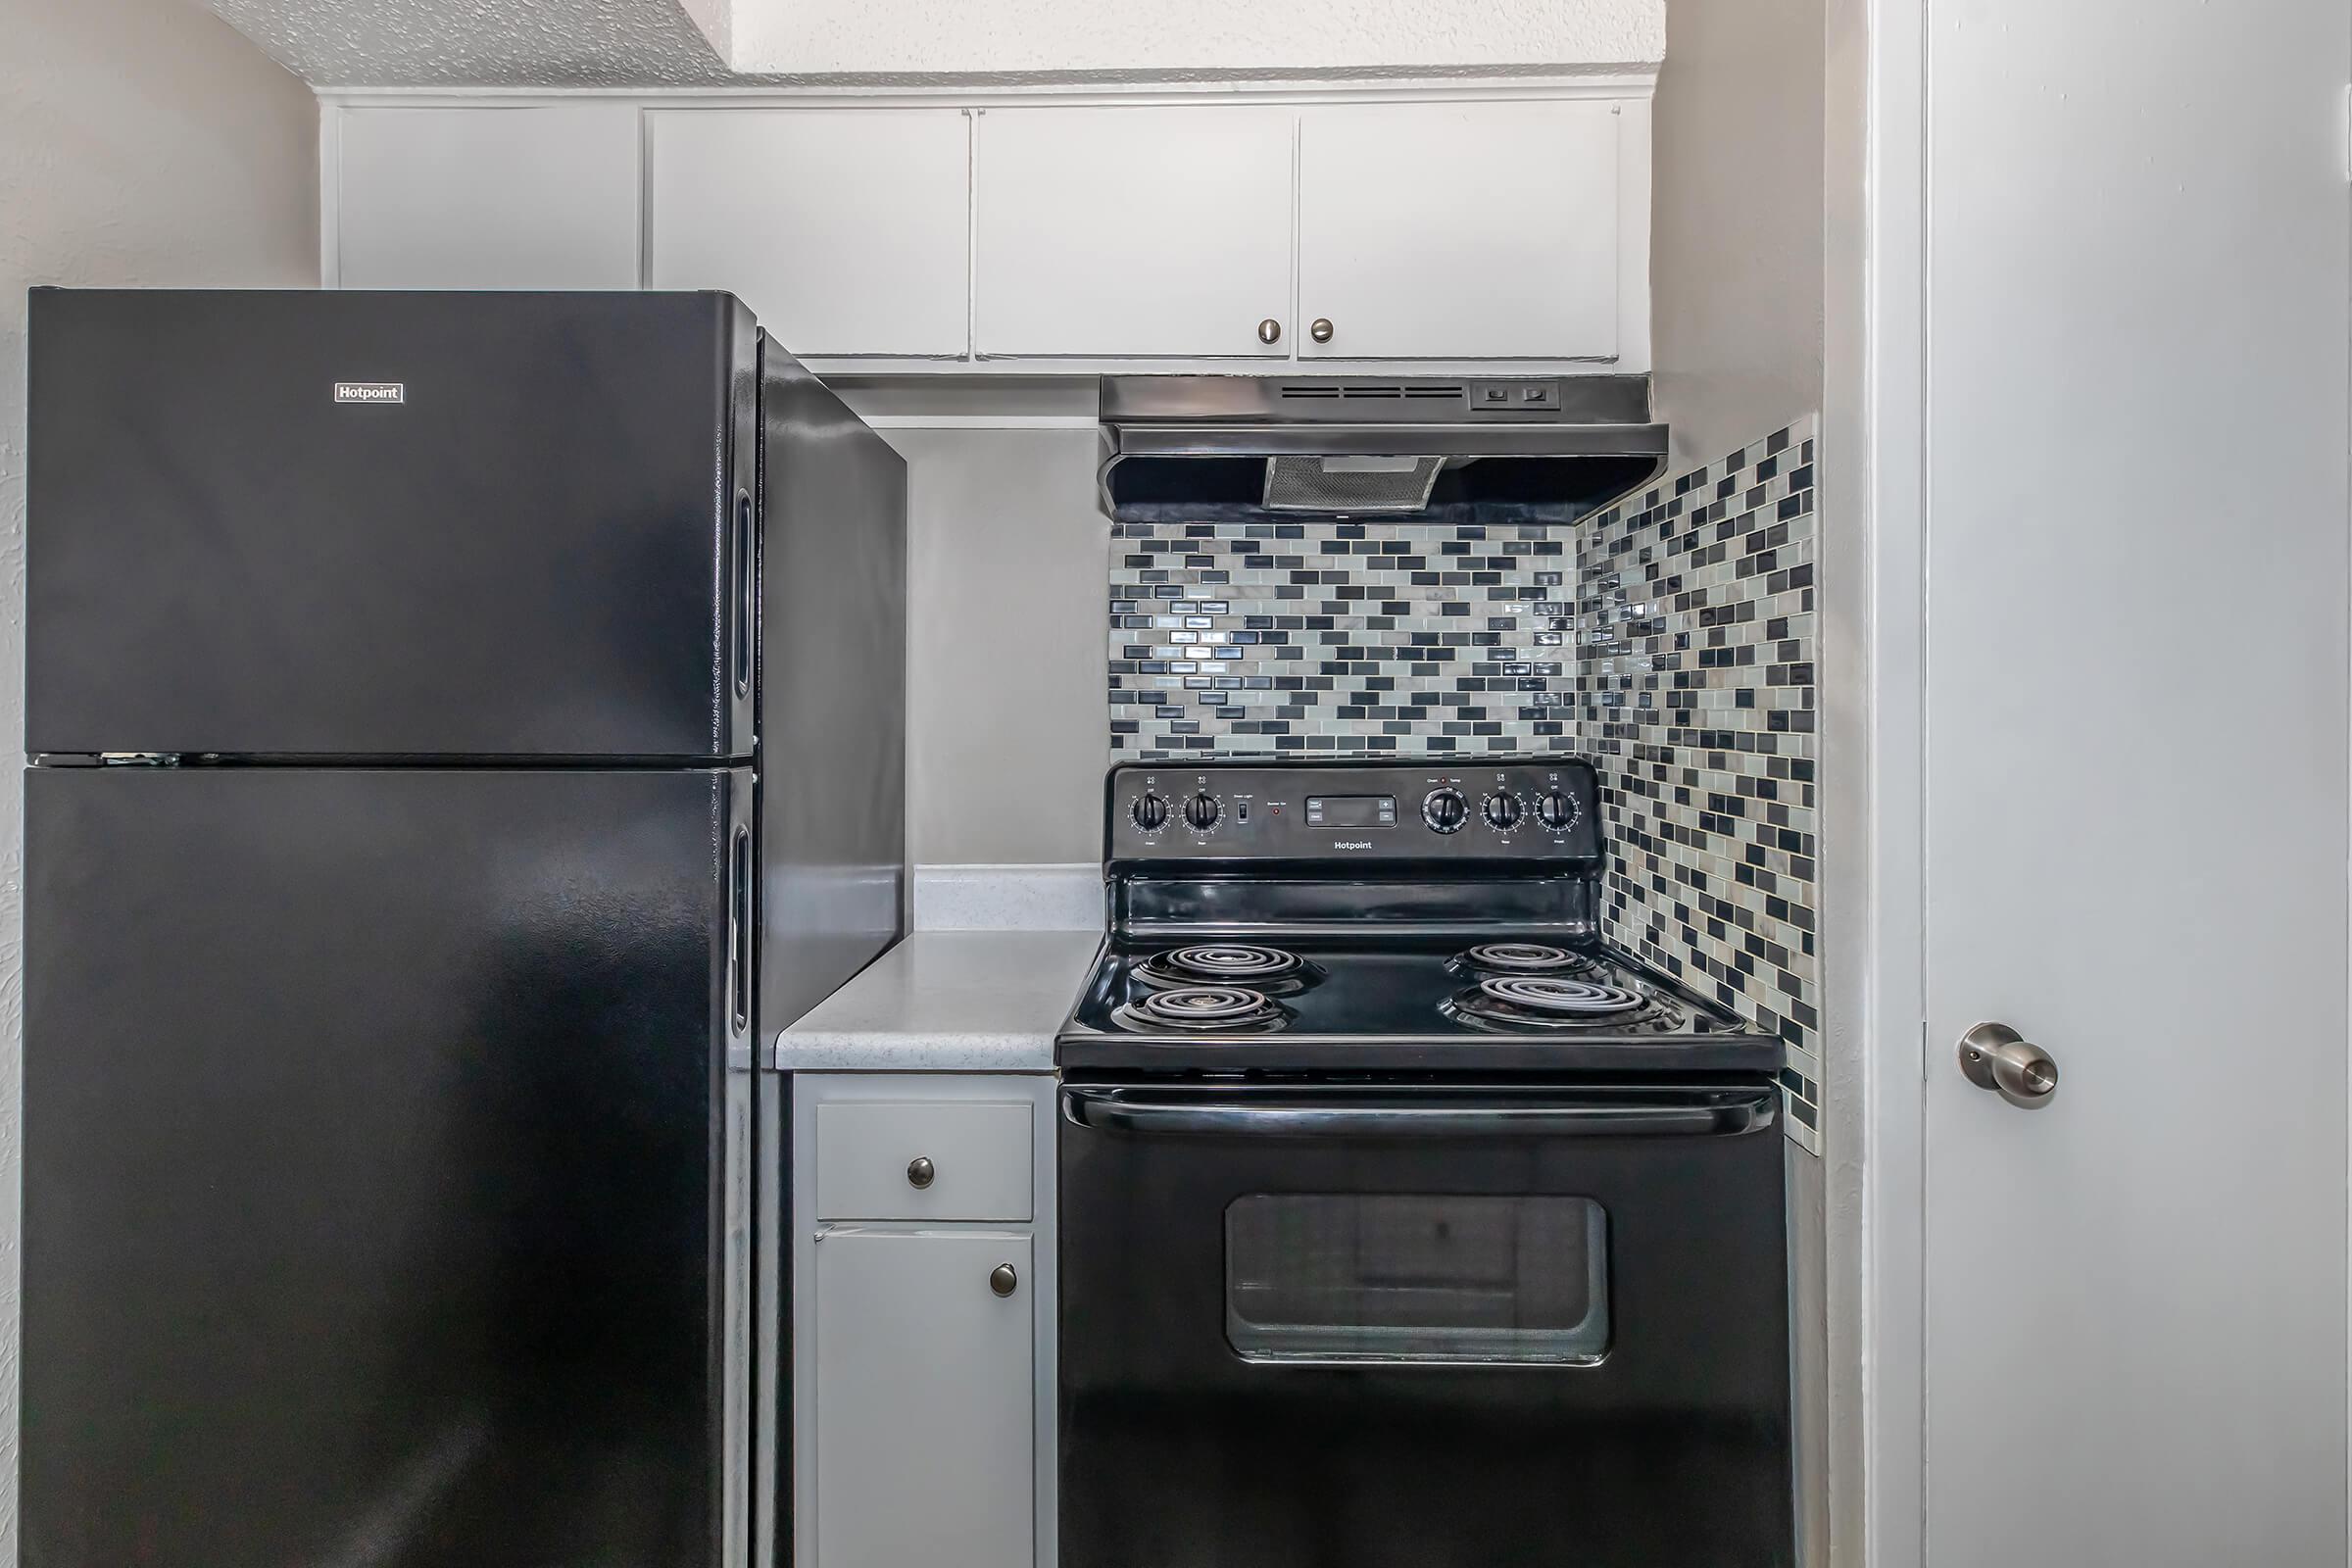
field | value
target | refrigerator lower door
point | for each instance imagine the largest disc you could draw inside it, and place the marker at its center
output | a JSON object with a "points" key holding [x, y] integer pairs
{"points": [[387, 1176]]}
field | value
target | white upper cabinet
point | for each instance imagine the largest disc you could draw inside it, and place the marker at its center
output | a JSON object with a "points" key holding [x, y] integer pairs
{"points": [[1173, 236], [846, 230], [1143, 233], [1460, 230], [494, 197]]}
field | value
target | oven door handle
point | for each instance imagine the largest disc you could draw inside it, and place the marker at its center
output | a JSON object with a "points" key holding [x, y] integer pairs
{"points": [[1120, 1111]]}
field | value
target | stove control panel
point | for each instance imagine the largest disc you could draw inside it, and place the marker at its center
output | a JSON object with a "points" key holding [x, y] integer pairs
{"points": [[1438, 808]]}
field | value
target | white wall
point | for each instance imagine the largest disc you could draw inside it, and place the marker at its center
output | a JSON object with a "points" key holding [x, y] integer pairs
{"points": [[1736, 226], [1007, 714], [141, 142], [1744, 123], [1848, 556]]}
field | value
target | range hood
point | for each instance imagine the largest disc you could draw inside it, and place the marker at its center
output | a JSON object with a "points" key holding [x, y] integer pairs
{"points": [[1541, 449]]}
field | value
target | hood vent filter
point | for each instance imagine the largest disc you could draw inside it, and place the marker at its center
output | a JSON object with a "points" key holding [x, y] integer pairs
{"points": [[1351, 483]]}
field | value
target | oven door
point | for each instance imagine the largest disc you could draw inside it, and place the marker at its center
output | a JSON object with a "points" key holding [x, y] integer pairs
{"points": [[1424, 1327]]}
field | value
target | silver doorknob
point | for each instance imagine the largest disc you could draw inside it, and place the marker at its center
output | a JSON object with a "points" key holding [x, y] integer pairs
{"points": [[1003, 1279], [1320, 331], [1997, 1057], [920, 1172], [1269, 331]]}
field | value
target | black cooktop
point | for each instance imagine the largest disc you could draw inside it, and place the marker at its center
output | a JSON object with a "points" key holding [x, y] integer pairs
{"points": [[1397, 1002], [1290, 918]]}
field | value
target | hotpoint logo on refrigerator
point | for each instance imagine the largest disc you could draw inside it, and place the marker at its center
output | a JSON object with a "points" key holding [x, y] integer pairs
{"points": [[372, 392]]}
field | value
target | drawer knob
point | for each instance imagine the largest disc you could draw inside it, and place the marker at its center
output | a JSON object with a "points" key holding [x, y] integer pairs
{"points": [[1004, 1279], [1320, 331], [1269, 331], [920, 1172]]}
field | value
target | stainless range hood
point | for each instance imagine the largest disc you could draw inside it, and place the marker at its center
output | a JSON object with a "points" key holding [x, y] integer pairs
{"points": [[1544, 449]]}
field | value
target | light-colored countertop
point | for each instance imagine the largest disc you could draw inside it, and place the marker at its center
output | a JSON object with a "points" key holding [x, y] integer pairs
{"points": [[947, 1001]]}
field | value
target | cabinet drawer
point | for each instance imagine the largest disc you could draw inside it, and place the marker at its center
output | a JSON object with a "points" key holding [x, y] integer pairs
{"points": [[978, 1153]]}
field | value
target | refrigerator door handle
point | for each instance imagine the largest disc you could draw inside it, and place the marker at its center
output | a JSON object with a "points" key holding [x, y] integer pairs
{"points": [[747, 591], [737, 1260], [735, 1397], [740, 928]]}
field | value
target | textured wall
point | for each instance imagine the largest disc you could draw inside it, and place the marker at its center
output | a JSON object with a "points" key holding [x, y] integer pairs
{"points": [[1005, 748], [1735, 223], [141, 141]]}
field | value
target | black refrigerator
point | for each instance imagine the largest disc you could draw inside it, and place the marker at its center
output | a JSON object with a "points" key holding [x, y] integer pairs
{"points": [[463, 726]]}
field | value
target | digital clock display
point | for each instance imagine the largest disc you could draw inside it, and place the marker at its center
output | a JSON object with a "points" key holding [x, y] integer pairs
{"points": [[1351, 811]]}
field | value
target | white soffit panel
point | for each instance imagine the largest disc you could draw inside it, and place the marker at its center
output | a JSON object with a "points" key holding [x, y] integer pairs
{"points": [[557, 43]]}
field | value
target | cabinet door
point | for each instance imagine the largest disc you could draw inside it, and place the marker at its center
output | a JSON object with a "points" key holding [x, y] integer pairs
{"points": [[925, 1412], [1460, 231], [1131, 232], [538, 198], [846, 231]]}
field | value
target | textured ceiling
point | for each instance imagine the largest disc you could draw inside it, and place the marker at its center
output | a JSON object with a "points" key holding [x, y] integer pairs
{"points": [[557, 43], [397, 43]]}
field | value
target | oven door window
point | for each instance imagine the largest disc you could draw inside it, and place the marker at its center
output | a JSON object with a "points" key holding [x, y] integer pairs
{"points": [[1398, 1278]]}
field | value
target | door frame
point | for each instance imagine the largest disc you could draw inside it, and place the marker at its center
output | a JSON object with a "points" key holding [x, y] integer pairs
{"points": [[1891, 783]]}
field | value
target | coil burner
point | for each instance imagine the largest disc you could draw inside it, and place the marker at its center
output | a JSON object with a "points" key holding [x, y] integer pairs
{"points": [[1544, 1002], [1267, 971], [1508, 958], [1202, 1010]]}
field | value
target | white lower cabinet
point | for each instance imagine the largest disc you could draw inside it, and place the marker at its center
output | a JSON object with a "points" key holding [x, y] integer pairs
{"points": [[924, 1401], [924, 1289]]}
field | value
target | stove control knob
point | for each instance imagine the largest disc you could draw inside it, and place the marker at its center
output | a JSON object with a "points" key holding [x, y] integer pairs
{"points": [[1445, 810], [1151, 814], [1558, 811], [1502, 810], [1202, 810]]}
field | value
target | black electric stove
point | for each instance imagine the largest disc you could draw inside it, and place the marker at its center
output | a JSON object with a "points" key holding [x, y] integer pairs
{"points": [[1369, 918], [1394, 1206]]}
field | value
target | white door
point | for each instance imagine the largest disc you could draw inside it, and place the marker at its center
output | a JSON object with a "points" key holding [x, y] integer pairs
{"points": [[1103, 232], [2136, 780], [846, 230], [1461, 230], [925, 1407], [492, 197]]}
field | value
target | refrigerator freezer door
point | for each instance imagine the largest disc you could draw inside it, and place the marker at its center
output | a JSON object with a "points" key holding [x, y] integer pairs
{"points": [[383, 1192], [329, 524]]}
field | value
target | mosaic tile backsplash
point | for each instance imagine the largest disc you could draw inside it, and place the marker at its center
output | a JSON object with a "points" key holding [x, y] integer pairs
{"points": [[1322, 638], [1694, 694], [1669, 637]]}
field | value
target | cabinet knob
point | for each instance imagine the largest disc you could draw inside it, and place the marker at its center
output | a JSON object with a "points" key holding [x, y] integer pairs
{"points": [[1320, 331], [1004, 1279], [920, 1172], [1269, 331]]}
